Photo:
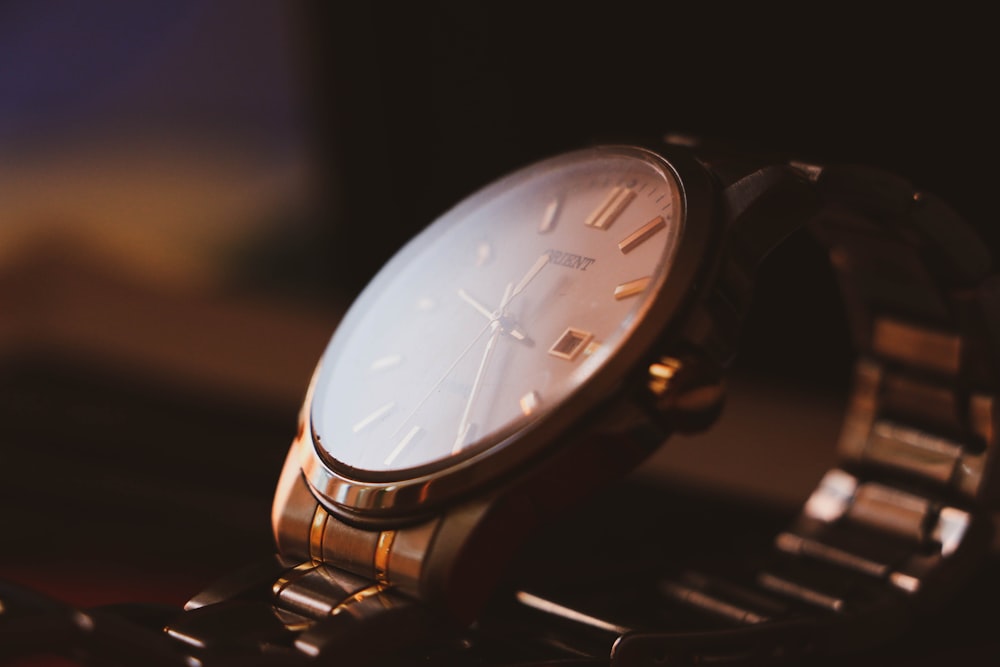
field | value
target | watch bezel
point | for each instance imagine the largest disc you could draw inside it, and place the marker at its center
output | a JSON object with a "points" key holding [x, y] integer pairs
{"points": [[386, 495]]}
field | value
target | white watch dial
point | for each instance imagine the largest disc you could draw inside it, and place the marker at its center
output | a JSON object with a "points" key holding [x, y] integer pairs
{"points": [[497, 312]]}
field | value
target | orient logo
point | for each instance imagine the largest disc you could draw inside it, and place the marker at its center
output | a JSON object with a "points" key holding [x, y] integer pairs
{"points": [[568, 259]]}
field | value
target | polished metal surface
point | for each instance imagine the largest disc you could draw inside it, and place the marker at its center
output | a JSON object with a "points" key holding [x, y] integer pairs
{"points": [[890, 523], [800, 592], [710, 603], [916, 346], [568, 613], [891, 510], [913, 449], [832, 496]]}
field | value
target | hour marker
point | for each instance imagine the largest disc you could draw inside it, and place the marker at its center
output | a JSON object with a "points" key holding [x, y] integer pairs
{"points": [[570, 343], [374, 417], [632, 241], [407, 439], [631, 288], [530, 402], [549, 217], [611, 208], [386, 362], [483, 253]]}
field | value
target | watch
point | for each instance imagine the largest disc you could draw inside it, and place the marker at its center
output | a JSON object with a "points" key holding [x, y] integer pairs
{"points": [[547, 334]]}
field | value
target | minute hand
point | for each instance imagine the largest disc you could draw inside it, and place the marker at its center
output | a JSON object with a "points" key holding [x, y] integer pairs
{"points": [[463, 424], [508, 296], [509, 326], [532, 272], [528, 277]]}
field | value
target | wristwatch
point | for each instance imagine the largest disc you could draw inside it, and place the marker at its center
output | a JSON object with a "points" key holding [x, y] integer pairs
{"points": [[540, 339]]}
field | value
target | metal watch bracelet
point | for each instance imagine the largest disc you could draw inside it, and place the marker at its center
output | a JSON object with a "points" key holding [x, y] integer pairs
{"points": [[889, 533], [906, 517]]}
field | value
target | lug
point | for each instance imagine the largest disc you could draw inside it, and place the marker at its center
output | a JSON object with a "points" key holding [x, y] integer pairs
{"points": [[687, 391]]}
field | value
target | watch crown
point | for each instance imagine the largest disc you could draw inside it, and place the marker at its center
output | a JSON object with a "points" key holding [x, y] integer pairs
{"points": [[687, 391]]}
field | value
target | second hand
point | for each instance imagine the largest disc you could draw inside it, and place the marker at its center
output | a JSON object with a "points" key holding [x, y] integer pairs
{"points": [[527, 278], [463, 425]]}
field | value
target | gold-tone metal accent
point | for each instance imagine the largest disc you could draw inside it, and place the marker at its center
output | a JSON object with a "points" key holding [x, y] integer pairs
{"points": [[292, 621], [529, 402], [633, 240], [316, 531], [688, 392], [549, 216], [293, 575], [913, 450], [632, 287], [891, 510], [612, 207], [360, 596], [569, 344], [349, 548], [661, 373], [381, 560], [918, 346], [313, 593], [408, 555]]}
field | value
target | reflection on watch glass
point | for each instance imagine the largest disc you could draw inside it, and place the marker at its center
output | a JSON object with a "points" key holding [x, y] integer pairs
{"points": [[498, 311]]}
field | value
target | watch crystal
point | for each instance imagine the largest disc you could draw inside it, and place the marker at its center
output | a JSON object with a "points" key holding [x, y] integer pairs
{"points": [[497, 313]]}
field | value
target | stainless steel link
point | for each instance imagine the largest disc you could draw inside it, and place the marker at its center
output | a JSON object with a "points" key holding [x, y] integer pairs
{"points": [[955, 458], [305, 611], [901, 518]]}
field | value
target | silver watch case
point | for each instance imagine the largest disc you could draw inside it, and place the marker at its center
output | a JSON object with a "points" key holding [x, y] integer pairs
{"points": [[603, 405]]}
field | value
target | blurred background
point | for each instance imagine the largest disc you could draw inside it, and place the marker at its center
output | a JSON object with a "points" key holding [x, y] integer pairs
{"points": [[192, 192]]}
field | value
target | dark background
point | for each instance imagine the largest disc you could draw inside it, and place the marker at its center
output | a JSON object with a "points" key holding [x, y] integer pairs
{"points": [[191, 193], [422, 105]]}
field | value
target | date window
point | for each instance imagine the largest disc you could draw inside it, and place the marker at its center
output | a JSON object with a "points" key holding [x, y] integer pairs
{"points": [[569, 344]]}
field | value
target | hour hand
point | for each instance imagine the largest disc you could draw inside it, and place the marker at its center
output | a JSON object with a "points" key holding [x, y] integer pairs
{"points": [[507, 324]]}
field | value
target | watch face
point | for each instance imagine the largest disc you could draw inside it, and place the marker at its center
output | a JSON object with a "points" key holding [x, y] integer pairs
{"points": [[497, 314]]}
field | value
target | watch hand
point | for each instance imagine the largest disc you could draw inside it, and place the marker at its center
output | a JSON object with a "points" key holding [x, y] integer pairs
{"points": [[508, 325], [463, 424], [441, 379], [480, 308], [528, 277], [508, 297]]}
